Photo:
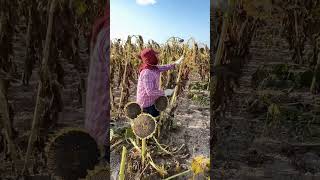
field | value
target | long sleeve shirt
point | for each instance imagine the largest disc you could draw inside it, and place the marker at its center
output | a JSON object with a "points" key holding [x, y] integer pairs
{"points": [[98, 91], [148, 85]]}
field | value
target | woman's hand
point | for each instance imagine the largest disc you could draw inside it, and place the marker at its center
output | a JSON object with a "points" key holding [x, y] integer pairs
{"points": [[179, 60], [168, 92]]}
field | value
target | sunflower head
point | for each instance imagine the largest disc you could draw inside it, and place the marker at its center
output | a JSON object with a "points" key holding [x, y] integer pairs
{"points": [[132, 110], [71, 152], [161, 103], [99, 173], [144, 126]]}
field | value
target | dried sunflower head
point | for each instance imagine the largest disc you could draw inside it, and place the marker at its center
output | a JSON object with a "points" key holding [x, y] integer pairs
{"points": [[161, 103], [132, 110], [144, 126], [70, 153], [99, 173], [200, 164]]}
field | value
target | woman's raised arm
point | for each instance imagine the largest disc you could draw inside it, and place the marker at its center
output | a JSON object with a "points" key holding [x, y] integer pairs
{"points": [[166, 67]]}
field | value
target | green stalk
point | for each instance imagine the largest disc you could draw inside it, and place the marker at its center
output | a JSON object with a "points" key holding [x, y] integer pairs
{"points": [[143, 150], [123, 163], [177, 175]]}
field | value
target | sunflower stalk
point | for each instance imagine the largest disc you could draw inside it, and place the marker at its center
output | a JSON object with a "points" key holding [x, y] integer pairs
{"points": [[177, 88], [137, 141], [315, 81], [40, 102], [159, 124], [6, 122], [123, 163], [123, 86], [219, 54], [159, 145], [143, 150], [160, 170], [135, 144]]}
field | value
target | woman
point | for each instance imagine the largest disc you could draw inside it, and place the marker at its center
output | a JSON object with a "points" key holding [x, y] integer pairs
{"points": [[148, 83], [98, 100]]}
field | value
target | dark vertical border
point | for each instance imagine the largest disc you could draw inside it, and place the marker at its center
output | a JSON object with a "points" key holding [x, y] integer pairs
{"points": [[213, 138]]}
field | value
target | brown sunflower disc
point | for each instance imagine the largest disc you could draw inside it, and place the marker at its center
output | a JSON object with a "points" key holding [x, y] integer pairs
{"points": [[132, 110], [71, 153], [144, 126], [161, 103], [99, 173]]}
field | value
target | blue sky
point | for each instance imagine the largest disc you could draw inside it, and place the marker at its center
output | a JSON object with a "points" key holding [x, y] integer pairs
{"points": [[161, 19]]}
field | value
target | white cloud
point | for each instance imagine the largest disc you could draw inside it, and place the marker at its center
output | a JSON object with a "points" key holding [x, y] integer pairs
{"points": [[146, 2]]}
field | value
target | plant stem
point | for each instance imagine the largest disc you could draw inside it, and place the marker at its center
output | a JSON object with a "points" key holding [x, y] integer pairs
{"points": [[123, 163], [177, 175], [137, 141], [315, 80], [40, 102], [298, 51], [134, 144], [178, 86], [7, 126], [160, 170], [159, 125], [219, 54], [143, 150], [158, 144]]}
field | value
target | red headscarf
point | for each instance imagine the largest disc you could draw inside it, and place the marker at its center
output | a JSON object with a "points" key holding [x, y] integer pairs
{"points": [[103, 21], [149, 59]]}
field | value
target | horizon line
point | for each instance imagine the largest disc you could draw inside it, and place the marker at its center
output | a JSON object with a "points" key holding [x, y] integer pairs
{"points": [[164, 42]]}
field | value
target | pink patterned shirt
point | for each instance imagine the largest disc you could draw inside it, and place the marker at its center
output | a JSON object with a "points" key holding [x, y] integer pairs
{"points": [[148, 85], [98, 94]]}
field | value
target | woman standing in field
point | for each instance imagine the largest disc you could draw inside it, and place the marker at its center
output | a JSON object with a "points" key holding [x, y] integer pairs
{"points": [[98, 92], [148, 83]]}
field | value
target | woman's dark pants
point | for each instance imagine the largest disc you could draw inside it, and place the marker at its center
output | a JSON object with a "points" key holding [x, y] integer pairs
{"points": [[152, 111]]}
